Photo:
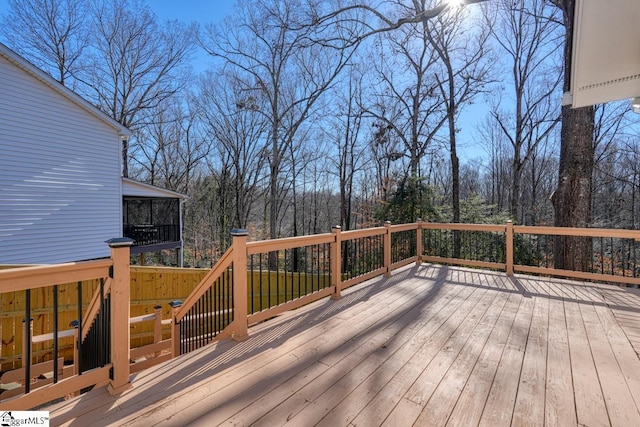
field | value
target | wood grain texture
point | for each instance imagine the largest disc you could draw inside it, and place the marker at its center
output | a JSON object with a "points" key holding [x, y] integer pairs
{"points": [[431, 345]]}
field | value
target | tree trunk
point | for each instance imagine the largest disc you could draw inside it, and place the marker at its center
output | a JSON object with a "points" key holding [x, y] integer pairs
{"points": [[455, 177], [125, 158], [572, 199]]}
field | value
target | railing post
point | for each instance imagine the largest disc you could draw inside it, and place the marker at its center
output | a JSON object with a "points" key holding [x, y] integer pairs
{"points": [[175, 328], [240, 330], [387, 249], [120, 314], [419, 242], [509, 254], [336, 262]]}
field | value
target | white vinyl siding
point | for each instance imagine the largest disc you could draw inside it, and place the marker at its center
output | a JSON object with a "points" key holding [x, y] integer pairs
{"points": [[60, 188]]}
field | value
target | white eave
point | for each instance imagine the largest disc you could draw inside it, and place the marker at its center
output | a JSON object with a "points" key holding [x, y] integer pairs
{"points": [[56, 86], [133, 188]]}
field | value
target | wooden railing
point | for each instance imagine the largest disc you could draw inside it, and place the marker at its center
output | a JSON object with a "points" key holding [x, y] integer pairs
{"points": [[273, 276], [34, 384], [614, 254], [255, 281]]}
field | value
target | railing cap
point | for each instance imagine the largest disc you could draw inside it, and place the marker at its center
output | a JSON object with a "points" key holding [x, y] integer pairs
{"points": [[119, 242], [176, 303], [239, 232]]}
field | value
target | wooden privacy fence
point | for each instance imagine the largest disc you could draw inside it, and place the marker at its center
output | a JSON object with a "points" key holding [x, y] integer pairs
{"points": [[151, 287]]}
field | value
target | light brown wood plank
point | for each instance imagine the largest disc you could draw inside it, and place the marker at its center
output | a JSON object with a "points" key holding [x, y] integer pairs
{"points": [[424, 386], [590, 407], [428, 346], [446, 395], [471, 403], [624, 353], [498, 410], [319, 397], [618, 399], [529, 405], [559, 398], [349, 407], [382, 406], [387, 343]]}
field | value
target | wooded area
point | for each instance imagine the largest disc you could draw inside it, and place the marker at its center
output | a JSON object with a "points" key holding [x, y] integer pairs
{"points": [[325, 112]]}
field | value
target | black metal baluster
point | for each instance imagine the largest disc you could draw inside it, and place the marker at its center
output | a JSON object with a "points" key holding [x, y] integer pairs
{"points": [[261, 284], [613, 257], [251, 280], [286, 259], [26, 358], [80, 328], [100, 326], [55, 334]]}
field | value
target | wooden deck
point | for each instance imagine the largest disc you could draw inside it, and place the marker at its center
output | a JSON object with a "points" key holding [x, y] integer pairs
{"points": [[429, 346]]}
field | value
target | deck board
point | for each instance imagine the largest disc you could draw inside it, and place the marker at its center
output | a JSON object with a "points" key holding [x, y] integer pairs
{"points": [[432, 345], [530, 400], [590, 407], [471, 402], [559, 398]]}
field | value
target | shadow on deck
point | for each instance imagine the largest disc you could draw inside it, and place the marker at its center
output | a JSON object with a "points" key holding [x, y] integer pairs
{"points": [[429, 346]]}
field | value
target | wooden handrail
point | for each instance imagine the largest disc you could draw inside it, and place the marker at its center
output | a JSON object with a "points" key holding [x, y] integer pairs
{"points": [[115, 374], [288, 243], [578, 232], [463, 227], [18, 279], [404, 227], [365, 232], [223, 263]]}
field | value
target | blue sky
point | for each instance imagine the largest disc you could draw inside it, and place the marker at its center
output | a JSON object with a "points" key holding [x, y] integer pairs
{"points": [[201, 11], [206, 11]]}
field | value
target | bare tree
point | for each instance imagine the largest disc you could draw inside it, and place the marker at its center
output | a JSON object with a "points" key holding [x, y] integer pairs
{"points": [[231, 117], [278, 63], [171, 149], [345, 133], [527, 34], [461, 49], [136, 63], [50, 33], [499, 166], [407, 103], [375, 18], [614, 169]]}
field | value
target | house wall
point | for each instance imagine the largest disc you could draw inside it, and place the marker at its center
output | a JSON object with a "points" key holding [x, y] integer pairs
{"points": [[60, 184]]}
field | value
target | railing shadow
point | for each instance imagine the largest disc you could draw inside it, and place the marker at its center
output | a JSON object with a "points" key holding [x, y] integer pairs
{"points": [[203, 364], [201, 368]]}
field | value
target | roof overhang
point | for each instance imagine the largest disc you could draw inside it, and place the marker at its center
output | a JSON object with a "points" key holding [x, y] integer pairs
{"points": [[606, 52], [133, 188]]}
